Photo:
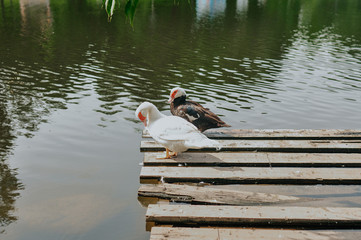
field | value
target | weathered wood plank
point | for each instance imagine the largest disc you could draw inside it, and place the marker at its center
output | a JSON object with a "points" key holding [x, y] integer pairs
{"points": [[255, 159], [294, 134], [284, 133], [255, 216], [206, 195], [176, 233], [317, 146], [247, 175]]}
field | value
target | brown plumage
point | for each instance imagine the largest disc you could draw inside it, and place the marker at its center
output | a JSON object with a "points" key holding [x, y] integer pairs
{"points": [[193, 112]]}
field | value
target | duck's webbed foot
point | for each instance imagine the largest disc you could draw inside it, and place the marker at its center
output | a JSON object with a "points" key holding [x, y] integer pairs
{"points": [[174, 154], [168, 155]]}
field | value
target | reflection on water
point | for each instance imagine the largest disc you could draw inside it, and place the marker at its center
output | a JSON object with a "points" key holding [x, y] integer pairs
{"points": [[213, 8], [210, 8], [64, 68], [9, 183], [10, 187]]}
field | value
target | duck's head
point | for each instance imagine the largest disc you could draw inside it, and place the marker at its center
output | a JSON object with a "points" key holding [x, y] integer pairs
{"points": [[176, 93], [148, 113], [143, 110]]}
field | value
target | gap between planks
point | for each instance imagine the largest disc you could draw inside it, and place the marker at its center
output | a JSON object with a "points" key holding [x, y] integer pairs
{"points": [[312, 146], [255, 216], [280, 134], [255, 159]]}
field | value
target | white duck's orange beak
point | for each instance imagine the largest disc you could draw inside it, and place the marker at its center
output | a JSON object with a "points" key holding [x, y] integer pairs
{"points": [[171, 97], [142, 118]]}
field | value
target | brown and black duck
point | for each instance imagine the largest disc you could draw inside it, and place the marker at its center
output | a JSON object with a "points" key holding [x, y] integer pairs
{"points": [[192, 111]]}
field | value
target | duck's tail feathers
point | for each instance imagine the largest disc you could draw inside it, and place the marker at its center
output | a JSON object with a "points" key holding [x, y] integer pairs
{"points": [[224, 125], [205, 142]]}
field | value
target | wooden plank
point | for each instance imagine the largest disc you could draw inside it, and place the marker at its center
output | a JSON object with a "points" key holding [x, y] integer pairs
{"points": [[284, 133], [225, 133], [255, 159], [317, 146], [181, 233], [247, 175], [255, 216], [206, 195]]}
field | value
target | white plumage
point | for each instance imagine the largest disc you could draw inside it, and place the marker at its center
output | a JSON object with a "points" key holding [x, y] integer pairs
{"points": [[174, 133]]}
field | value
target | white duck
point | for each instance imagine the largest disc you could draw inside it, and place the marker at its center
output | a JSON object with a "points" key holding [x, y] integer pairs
{"points": [[174, 133]]}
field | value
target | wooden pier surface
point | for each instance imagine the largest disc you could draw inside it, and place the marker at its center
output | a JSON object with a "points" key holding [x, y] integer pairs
{"points": [[264, 216], [200, 193], [176, 233]]}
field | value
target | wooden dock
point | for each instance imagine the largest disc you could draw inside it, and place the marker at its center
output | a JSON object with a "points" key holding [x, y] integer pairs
{"points": [[262, 184]]}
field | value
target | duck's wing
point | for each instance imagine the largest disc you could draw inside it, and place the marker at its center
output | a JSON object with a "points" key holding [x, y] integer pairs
{"points": [[190, 110], [175, 130], [180, 111], [172, 128], [200, 112]]}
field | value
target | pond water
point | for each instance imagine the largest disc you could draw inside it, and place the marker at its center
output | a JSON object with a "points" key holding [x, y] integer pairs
{"points": [[70, 82]]}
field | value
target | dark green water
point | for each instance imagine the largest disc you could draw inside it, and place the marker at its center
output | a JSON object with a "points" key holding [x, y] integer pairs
{"points": [[70, 83]]}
